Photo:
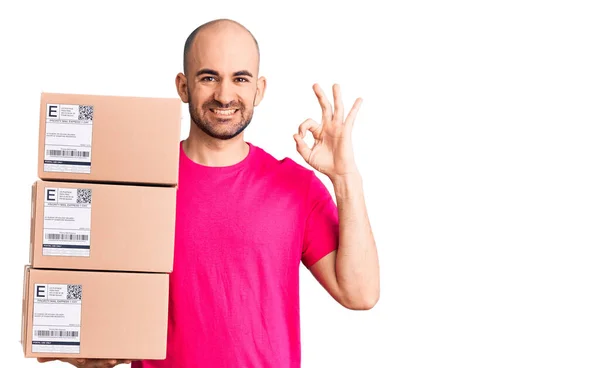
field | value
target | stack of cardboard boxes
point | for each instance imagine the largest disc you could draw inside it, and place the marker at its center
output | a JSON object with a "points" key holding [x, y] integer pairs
{"points": [[102, 227]]}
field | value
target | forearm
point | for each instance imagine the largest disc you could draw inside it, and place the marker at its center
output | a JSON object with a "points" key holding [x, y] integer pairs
{"points": [[357, 264]]}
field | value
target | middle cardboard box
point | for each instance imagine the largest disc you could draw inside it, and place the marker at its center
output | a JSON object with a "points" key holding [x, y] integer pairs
{"points": [[107, 227]]}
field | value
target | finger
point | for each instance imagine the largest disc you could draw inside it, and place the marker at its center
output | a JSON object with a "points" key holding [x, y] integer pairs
{"points": [[101, 363], [338, 115], [325, 105], [44, 360], [72, 361], [78, 362], [310, 125], [104, 363], [353, 112], [302, 147], [114, 362]]}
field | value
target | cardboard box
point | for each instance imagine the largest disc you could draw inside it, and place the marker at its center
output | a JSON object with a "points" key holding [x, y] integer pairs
{"points": [[92, 314], [91, 226], [109, 139]]}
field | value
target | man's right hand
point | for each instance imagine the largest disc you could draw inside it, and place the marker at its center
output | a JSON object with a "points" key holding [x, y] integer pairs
{"points": [[88, 363]]}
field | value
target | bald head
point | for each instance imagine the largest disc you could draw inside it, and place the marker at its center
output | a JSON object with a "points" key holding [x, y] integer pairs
{"points": [[220, 81], [223, 27]]}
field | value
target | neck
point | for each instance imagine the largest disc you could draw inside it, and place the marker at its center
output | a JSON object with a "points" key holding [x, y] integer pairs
{"points": [[208, 151]]}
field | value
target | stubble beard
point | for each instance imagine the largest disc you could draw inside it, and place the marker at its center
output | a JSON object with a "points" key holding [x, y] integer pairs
{"points": [[211, 129]]}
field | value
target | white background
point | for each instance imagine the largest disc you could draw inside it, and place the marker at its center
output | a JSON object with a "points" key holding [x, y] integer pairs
{"points": [[478, 141]]}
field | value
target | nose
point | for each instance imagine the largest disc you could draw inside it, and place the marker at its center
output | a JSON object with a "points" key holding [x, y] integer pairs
{"points": [[225, 93]]}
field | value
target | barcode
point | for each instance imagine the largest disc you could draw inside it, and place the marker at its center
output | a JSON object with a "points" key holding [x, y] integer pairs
{"points": [[71, 237], [47, 333], [67, 153]]}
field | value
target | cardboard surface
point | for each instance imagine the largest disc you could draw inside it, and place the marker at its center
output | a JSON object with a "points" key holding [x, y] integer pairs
{"points": [[122, 228], [109, 139], [119, 315]]}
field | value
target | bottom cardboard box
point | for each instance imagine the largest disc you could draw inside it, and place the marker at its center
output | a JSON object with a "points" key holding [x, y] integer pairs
{"points": [[94, 314]]}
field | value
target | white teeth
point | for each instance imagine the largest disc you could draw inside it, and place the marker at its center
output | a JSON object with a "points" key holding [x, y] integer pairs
{"points": [[224, 112]]}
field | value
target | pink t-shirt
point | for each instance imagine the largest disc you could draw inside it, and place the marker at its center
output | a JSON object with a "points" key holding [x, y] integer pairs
{"points": [[242, 232]]}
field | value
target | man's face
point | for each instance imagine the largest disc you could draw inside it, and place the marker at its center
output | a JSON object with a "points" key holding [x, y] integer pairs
{"points": [[222, 82]]}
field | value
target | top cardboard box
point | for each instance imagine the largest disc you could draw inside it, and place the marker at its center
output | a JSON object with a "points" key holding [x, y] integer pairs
{"points": [[110, 139]]}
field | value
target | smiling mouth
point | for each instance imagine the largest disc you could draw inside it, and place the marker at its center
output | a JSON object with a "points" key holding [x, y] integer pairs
{"points": [[223, 112]]}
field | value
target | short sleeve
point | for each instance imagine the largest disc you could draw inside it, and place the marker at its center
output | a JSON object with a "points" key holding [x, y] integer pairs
{"points": [[321, 233]]}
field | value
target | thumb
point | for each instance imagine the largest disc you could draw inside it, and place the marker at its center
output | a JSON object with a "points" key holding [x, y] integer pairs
{"points": [[302, 147]]}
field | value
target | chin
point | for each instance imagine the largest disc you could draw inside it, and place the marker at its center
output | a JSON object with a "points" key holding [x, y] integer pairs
{"points": [[223, 134]]}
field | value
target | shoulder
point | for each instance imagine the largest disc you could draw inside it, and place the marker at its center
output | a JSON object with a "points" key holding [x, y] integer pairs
{"points": [[289, 174], [286, 166]]}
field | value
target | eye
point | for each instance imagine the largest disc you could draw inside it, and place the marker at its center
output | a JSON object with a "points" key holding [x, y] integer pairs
{"points": [[241, 80], [208, 79]]}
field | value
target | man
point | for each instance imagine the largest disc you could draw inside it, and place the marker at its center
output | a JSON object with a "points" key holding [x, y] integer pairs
{"points": [[246, 221]]}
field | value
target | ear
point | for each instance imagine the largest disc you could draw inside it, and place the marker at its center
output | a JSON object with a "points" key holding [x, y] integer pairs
{"points": [[261, 86], [182, 88]]}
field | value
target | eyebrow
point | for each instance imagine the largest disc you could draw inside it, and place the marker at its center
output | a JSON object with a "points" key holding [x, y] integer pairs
{"points": [[207, 71], [215, 73], [243, 72]]}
